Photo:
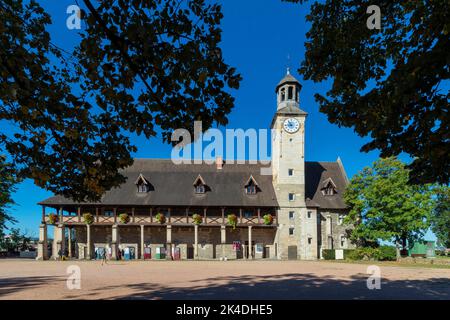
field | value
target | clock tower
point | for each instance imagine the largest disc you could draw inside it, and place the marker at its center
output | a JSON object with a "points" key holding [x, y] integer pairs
{"points": [[288, 172]]}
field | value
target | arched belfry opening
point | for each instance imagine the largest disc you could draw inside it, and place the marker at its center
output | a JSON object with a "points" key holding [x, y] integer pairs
{"points": [[288, 92]]}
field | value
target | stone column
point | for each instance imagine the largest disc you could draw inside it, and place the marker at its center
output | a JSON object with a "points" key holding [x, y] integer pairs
{"points": [[142, 241], [69, 242], [88, 242], [42, 244], [169, 242], [114, 241], [58, 241], [250, 256], [195, 241], [223, 240]]}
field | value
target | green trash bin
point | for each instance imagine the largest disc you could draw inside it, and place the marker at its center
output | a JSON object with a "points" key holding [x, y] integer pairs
{"points": [[160, 253]]}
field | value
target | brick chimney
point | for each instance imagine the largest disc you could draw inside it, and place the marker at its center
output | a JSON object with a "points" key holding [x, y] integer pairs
{"points": [[219, 162]]}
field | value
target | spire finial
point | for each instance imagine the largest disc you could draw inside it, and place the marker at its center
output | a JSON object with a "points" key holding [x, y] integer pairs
{"points": [[288, 69]]}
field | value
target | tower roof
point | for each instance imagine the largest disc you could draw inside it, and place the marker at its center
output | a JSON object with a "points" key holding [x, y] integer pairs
{"points": [[288, 78]]}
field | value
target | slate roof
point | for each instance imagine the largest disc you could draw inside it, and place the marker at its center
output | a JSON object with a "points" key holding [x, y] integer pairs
{"points": [[172, 185], [287, 79]]}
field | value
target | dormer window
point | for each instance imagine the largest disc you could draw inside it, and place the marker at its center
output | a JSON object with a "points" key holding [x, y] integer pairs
{"points": [[143, 186], [329, 187], [199, 185], [251, 187]]}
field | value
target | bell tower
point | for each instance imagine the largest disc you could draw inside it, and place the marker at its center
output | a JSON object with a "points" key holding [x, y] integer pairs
{"points": [[288, 170]]}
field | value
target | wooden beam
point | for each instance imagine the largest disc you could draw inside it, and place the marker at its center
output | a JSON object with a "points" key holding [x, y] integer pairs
{"points": [[79, 214], [115, 215], [96, 214], [43, 214]]}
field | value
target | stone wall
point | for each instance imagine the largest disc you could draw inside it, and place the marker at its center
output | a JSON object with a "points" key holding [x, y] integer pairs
{"points": [[331, 239]]}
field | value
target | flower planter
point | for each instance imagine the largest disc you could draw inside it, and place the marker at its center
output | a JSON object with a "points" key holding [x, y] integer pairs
{"points": [[124, 218], [268, 219], [88, 218], [53, 218], [232, 220], [160, 218], [197, 219]]}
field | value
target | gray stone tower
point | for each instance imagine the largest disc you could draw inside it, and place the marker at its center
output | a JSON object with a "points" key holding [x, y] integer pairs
{"points": [[296, 238]]}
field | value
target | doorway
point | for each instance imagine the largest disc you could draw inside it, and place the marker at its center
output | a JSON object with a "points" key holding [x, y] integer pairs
{"points": [[292, 252]]}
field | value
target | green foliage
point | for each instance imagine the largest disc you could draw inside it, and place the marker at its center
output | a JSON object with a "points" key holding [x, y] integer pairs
{"points": [[140, 66], [328, 254], [268, 219], [232, 220], [198, 219], [53, 218], [382, 253], [384, 206], [383, 83], [440, 219], [16, 241], [160, 217], [8, 181], [124, 218], [88, 218]]}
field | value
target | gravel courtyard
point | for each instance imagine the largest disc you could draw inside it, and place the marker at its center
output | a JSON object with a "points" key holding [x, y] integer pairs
{"points": [[28, 279]]}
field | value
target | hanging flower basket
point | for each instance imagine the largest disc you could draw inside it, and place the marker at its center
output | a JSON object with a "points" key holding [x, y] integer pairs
{"points": [[160, 217], [124, 218], [232, 220], [197, 219], [268, 219], [53, 218], [88, 218]]}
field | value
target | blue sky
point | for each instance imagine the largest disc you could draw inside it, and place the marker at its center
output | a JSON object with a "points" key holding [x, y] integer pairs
{"points": [[258, 37]]}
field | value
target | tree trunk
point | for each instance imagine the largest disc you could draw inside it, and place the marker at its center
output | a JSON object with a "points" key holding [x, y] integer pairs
{"points": [[397, 249]]}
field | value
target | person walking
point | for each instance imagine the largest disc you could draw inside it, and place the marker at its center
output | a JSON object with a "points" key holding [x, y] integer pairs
{"points": [[104, 260]]}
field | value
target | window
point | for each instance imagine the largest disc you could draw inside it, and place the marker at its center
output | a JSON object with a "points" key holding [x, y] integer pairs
{"points": [[109, 213], [309, 240], [291, 215], [340, 219], [296, 95], [329, 191], [309, 214], [251, 186], [329, 187], [343, 241], [199, 189], [290, 93], [283, 94], [291, 231], [291, 196], [142, 188], [290, 172]]}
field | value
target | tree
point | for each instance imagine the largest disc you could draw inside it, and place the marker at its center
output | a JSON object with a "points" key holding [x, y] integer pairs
{"points": [[140, 66], [8, 181], [390, 84], [383, 206], [440, 220], [16, 241]]}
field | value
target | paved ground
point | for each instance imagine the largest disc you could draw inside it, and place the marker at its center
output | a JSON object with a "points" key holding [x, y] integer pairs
{"points": [[27, 279]]}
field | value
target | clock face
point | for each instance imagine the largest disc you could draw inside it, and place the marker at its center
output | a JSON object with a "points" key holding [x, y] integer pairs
{"points": [[291, 125]]}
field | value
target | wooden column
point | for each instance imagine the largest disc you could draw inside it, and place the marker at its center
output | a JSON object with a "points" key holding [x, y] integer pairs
{"points": [[69, 242], [132, 215], [187, 215], [250, 247], [79, 214], [240, 215], [259, 215], [115, 215], [169, 213], [96, 214], [61, 218], [223, 215], [151, 215], [204, 215]]}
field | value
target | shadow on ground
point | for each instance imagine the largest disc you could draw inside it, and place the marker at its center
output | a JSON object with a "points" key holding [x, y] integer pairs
{"points": [[285, 286], [289, 286]]}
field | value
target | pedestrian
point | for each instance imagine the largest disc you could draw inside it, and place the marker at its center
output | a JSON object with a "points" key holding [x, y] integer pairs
{"points": [[104, 257]]}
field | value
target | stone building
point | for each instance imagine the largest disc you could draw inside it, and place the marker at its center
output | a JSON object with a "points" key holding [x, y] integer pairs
{"points": [[212, 211]]}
